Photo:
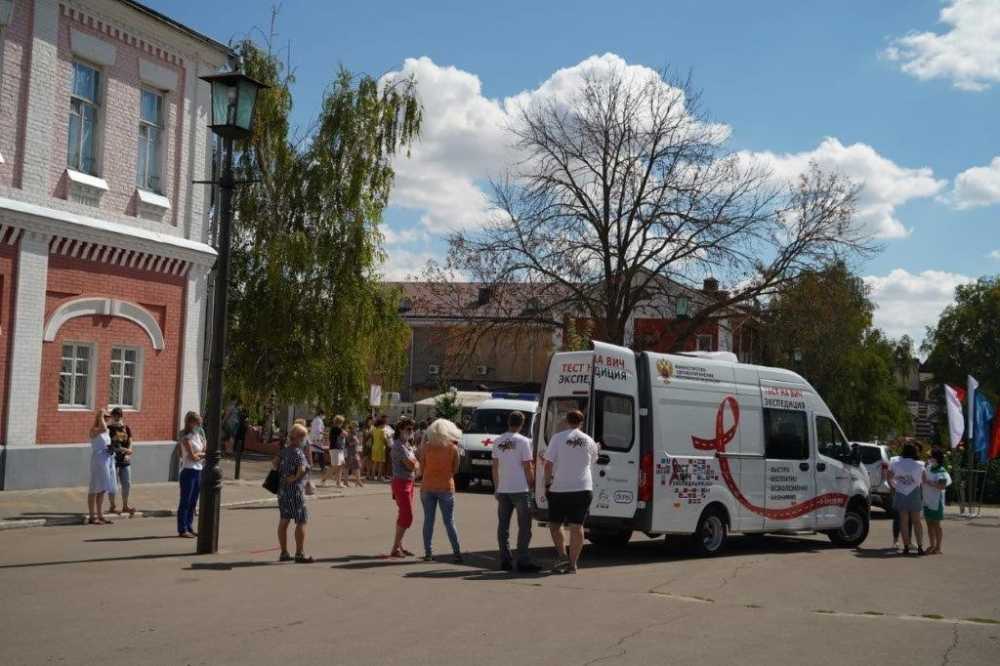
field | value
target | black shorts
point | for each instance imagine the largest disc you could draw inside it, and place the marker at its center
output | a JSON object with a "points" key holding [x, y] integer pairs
{"points": [[569, 508]]}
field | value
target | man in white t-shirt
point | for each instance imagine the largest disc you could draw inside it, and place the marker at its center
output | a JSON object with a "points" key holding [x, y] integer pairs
{"points": [[513, 476], [569, 487], [317, 428]]}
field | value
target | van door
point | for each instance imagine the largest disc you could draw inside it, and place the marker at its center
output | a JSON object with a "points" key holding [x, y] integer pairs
{"points": [[614, 424], [567, 387], [833, 474], [790, 483]]}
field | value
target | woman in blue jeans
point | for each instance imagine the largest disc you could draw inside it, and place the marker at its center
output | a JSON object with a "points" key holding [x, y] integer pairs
{"points": [[192, 444], [439, 457]]}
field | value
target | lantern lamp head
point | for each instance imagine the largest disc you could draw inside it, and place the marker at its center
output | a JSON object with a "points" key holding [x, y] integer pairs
{"points": [[234, 98]]}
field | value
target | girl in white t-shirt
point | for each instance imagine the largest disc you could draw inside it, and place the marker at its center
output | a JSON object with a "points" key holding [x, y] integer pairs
{"points": [[936, 480]]}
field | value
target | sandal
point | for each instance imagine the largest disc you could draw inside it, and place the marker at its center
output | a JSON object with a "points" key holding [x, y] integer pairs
{"points": [[92, 521], [285, 556], [103, 521], [300, 558], [406, 552], [397, 554]]}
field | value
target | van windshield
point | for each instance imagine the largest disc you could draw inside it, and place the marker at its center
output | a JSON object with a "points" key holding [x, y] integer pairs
{"points": [[494, 421]]}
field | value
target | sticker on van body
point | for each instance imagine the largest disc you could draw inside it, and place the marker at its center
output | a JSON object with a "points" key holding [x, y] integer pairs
{"points": [[723, 436]]}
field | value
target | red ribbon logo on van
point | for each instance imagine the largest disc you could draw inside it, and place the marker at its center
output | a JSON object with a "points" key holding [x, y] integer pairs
{"points": [[723, 437]]}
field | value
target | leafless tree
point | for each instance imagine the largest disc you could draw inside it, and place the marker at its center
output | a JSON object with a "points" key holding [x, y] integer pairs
{"points": [[627, 196]]}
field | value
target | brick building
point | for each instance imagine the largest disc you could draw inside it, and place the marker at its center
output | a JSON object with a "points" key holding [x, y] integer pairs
{"points": [[104, 250], [472, 337]]}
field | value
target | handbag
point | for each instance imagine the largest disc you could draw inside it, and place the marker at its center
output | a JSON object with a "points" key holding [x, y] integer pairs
{"points": [[273, 482]]}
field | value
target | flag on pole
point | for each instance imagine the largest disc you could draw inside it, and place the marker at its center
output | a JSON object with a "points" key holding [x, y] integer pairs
{"points": [[995, 439], [956, 422], [983, 427], [970, 394]]}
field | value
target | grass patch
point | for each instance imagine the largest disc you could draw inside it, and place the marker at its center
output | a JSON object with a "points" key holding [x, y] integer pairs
{"points": [[824, 611], [872, 613], [982, 620], [705, 599], [753, 606], [932, 616]]}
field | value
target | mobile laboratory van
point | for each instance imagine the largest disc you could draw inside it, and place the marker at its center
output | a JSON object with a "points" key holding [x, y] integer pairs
{"points": [[702, 445]]}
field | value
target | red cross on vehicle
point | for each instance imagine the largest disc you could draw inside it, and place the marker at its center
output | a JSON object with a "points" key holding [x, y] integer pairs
{"points": [[487, 441]]}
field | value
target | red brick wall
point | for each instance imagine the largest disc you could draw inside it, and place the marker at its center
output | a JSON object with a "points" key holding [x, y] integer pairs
{"points": [[163, 295], [118, 138], [659, 335], [14, 94], [8, 263]]}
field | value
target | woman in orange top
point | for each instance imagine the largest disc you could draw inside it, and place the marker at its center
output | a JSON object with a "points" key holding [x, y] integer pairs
{"points": [[439, 458]]}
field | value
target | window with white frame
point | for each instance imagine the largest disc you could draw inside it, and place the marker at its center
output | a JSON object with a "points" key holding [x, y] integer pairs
{"points": [[124, 390], [150, 132], [83, 107], [75, 375]]}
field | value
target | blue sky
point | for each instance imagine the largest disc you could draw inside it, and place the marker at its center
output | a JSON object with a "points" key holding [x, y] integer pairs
{"points": [[905, 95]]}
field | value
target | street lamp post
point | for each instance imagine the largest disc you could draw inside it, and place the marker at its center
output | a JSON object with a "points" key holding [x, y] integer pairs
{"points": [[234, 96]]}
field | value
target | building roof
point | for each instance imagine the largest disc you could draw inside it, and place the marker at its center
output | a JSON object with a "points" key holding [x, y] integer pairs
{"points": [[476, 300], [177, 25]]}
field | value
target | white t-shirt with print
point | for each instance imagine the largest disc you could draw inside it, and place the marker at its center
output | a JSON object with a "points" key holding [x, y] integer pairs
{"points": [[571, 453], [934, 498], [907, 474], [511, 450]]}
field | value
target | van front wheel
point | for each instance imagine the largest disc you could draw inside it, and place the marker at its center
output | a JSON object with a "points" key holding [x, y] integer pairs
{"points": [[710, 537], [854, 531]]}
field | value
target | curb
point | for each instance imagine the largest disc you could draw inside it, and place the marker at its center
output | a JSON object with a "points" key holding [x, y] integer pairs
{"points": [[152, 513]]}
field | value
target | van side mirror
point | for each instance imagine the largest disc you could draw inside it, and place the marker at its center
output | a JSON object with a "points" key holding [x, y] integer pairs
{"points": [[855, 458]]}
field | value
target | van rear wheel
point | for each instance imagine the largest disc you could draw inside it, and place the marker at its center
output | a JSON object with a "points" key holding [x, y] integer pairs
{"points": [[710, 537], [854, 531], [609, 538]]}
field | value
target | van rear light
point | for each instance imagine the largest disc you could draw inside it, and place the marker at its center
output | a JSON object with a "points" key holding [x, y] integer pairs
{"points": [[646, 478]]}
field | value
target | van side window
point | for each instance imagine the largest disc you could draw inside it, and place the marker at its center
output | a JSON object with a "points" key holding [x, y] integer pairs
{"points": [[829, 441], [614, 418], [786, 434], [871, 455], [555, 414]]}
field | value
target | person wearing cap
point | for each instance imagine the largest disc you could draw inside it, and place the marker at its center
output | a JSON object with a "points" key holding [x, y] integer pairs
{"points": [[121, 445]]}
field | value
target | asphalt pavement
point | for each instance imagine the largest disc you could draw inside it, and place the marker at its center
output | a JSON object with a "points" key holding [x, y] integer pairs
{"points": [[134, 593]]}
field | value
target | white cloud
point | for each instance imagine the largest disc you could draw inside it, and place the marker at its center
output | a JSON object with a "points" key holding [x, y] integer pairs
{"points": [[885, 185], [968, 52], [978, 186], [910, 302], [404, 236], [995, 254], [404, 264], [464, 139]]}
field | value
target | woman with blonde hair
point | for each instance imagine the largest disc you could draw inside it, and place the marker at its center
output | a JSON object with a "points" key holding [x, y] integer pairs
{"points": [[192, 444], [439, 458], [292, 466], [102, 469]]}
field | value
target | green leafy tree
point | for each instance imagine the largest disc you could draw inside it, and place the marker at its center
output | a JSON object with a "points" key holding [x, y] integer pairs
{"points": [[309, 317], [965, 340], [447, 406], [821, 327]]}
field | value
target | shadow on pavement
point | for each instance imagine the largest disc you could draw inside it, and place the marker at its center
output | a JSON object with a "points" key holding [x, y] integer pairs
{"points": [[96, 560], [229, 566], [124, 539], [878, 553]]}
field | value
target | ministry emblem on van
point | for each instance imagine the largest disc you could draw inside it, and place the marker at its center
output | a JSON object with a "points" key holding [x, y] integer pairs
{"points": [[665, 369]]}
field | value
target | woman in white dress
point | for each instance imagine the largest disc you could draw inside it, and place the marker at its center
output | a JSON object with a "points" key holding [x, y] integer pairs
{"points": [[102, 469]]}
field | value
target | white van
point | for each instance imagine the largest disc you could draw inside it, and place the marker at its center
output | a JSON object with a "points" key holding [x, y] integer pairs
{"points": [[487, 423], [701, 445]]}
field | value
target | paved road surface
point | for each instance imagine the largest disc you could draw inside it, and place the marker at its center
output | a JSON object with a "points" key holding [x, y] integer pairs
{"points": [[132, 593]]}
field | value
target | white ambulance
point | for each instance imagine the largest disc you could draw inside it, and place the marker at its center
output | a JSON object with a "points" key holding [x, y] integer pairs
{"points": [[701, 445]]}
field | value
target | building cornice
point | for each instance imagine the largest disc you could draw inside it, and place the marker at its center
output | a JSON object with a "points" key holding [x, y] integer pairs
{"points": [[64, 224]]}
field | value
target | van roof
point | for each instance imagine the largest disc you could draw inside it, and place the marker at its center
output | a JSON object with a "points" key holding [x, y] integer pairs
{"points": [[527, 406]]}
